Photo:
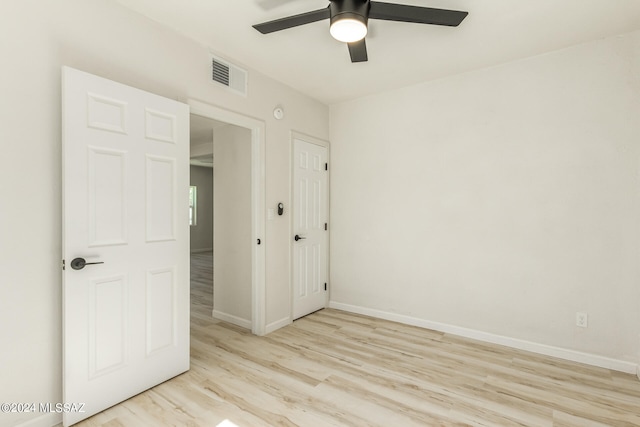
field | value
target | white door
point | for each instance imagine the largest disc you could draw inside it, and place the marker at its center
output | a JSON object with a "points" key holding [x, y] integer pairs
{"points": [[125, 213], [310, 223]]}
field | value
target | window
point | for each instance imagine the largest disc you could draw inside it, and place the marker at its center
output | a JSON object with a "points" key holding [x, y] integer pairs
{"points": [[193, 203]]}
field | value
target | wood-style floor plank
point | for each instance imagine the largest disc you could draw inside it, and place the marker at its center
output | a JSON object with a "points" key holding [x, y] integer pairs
{"points": [[340, 369]]}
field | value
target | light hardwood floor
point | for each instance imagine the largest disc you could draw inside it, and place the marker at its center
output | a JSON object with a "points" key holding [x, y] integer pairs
{"points": [[335, 368]]}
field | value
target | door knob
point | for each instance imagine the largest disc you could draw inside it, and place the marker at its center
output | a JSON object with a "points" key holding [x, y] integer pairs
{"points": [[298, 238], [79, 263]]}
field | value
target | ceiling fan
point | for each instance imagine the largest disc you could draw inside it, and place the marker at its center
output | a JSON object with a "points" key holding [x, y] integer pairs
{"points": [[349, 18]]}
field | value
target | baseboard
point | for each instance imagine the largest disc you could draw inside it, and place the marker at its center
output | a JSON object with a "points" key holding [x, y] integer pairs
{"points": [[46, 420], [273, 326], [229, 318], [197, 251], [547, 350]]}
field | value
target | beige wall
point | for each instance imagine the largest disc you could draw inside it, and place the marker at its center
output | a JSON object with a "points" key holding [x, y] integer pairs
{"points": [[100, 37], [502, 201], [232, 225], [202, 232], [498, 202]]}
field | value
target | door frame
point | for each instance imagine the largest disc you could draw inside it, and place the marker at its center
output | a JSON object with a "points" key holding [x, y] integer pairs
{"points": [[323, 143], [258, 206]]}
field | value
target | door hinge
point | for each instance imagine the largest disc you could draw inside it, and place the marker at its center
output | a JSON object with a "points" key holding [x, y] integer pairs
{"points": [[325, 286], [326, 166], [63, 265], [325, 226]]}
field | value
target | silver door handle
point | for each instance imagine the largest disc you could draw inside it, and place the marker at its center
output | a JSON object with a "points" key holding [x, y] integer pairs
{"points": [[298, 238]]}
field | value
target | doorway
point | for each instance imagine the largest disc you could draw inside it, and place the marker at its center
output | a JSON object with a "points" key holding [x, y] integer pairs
{"points": [[236, 220]]}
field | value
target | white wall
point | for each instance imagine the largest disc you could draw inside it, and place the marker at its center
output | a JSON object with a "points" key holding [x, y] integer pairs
{"points": [[232, 225], [202, 232], [498, 202], [101, 37]]}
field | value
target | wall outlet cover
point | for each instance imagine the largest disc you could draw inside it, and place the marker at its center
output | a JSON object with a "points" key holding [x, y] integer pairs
{"points": [[582, 319]]}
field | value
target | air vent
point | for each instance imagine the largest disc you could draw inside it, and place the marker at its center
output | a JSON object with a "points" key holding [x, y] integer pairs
{"points": [[231, 76], [220, 72]]}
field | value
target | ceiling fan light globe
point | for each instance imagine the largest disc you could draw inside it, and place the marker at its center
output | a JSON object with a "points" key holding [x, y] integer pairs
{"points": [[348, 30]]}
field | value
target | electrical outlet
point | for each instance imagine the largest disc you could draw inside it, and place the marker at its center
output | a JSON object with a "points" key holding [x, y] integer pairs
{"points": [[582, 319]]}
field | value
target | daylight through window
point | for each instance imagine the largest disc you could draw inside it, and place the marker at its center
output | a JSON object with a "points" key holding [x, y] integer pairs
{"points": [[193, 202]]}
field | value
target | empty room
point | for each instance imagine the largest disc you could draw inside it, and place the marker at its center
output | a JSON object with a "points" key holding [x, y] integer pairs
{"points": [[439, 221]]}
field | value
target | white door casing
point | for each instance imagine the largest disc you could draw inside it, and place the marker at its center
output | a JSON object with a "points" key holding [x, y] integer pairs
{"points": [[310, 205], [125, 204]]}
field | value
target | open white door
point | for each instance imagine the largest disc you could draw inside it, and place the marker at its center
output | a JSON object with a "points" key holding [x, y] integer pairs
{"points": [[125, 201], [310, 217]]}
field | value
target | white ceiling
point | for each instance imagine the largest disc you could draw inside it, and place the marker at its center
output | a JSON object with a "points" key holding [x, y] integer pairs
{"points": [[201, 129], [308, 59]]}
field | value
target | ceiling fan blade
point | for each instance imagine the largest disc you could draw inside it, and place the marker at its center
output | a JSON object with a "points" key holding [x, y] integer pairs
{"points": [[293, 21], [358, 51], [420, 15]]}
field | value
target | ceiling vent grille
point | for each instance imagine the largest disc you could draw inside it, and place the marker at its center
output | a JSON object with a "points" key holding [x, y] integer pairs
{"points": [[229, 75], [220, 72]]}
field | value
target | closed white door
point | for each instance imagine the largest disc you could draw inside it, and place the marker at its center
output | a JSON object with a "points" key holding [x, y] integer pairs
{"points": [[125, 241], [310, 224]]}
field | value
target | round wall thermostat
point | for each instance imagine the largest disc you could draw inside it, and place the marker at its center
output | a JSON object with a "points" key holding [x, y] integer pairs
{"points": [[278, 113]]}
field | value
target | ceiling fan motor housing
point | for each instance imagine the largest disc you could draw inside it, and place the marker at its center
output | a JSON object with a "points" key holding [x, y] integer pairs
{"points": [[349, 9]]}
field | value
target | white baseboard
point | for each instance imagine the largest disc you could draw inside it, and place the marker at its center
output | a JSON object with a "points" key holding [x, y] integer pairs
{"points": [[197, 251], [229, 318], [547, 350], [46, 420], [273, 326]]}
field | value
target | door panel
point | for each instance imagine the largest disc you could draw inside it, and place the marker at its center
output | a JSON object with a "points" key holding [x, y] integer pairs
{"points": [[160, 193], [161, 318], [107, 201], [125, 202], [311, 251], [107, 335]]}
